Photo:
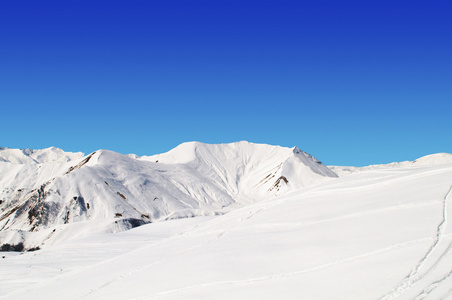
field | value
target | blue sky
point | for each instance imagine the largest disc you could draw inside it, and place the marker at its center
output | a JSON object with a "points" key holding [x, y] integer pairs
{"points": [[351, 82]]}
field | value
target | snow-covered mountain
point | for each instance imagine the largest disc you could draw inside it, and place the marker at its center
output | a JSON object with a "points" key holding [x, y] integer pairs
{"points": [[45, 192], [50, 155], [380, 232], [249, 170]]}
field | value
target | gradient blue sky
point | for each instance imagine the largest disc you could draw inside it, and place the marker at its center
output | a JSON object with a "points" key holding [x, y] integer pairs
{"points": [[351, 82]]}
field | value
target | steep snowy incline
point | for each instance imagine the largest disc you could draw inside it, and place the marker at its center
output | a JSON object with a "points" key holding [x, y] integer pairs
{"points": [[124, 191], [24, 172], [382, 233], [108, 186]]}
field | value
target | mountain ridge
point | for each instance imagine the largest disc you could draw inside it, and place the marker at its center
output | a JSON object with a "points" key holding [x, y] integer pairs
{"points": [[44, 191], [124, 191]]}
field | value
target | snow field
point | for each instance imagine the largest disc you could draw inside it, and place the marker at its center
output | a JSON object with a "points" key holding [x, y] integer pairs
{"points": [[374, 234]]}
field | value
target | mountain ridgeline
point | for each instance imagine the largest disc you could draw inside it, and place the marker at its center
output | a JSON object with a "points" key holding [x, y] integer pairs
{"points": [[49, 195]]}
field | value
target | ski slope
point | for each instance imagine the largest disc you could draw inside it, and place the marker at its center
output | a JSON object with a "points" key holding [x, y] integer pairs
{"points": [[378, 233]]}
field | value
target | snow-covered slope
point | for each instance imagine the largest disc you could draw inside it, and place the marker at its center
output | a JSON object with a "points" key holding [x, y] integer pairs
{"points": [[377, 234], [434, 159], [43, 191], [428, 160]]}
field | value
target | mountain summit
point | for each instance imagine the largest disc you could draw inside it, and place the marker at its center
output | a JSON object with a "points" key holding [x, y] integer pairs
{"points": [[249, 170]]}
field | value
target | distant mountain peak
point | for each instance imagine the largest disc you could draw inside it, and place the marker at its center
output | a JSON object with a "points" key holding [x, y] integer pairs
{"points": [[40, 156]]}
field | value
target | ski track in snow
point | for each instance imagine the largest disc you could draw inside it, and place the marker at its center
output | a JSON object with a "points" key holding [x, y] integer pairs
{"points": [[288, 274], [185, 233], [259, 208], [351, 215], [447, 295], [81, 269], [426, 292], [393, 177], [417, 272]]}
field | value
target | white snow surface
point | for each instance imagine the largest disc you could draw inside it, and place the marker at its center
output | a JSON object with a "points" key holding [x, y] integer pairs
{"points": [[382, 233]]}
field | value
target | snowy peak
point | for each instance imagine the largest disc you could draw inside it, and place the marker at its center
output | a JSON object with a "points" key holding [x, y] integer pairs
{"points": [[312, 162], [197, 151], [247, 169], [54, 155], [43, 156]]}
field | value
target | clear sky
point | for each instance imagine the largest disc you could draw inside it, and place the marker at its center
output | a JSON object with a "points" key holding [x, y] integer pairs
{"points": [[351, 82]]}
